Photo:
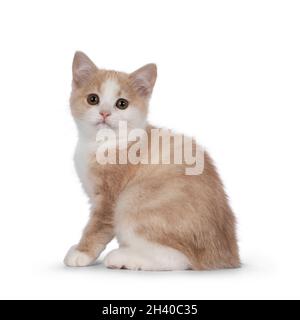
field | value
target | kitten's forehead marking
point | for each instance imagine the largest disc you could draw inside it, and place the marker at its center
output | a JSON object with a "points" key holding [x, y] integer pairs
{"points": [[110, 90]]}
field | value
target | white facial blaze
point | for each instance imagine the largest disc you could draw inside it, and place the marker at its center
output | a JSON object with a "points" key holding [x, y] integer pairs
{"points": [[109, 93]]}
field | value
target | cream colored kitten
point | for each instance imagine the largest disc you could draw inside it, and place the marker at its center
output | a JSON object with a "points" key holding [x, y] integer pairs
{"points": [[163, 218]]}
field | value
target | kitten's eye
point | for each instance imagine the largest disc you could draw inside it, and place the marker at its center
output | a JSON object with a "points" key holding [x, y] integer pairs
{"points": [[93, 99], [122, 104]]}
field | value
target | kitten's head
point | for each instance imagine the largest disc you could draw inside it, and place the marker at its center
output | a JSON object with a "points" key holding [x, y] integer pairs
{"points": [[102, 98]]}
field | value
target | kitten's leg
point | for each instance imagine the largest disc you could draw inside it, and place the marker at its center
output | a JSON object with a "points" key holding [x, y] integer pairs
{"points": [[97, 234], [147, 257]]}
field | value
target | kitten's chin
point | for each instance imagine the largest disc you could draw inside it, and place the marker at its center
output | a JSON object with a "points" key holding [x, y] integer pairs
{"points": [[103, 125], [89, 129]]}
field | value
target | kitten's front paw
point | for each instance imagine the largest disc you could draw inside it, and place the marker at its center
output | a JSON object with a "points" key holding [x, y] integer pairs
{"points": [[76, 258]]}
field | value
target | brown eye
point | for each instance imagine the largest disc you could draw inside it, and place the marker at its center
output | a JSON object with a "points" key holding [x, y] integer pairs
{"points": [[122, 104], [93, 99]]}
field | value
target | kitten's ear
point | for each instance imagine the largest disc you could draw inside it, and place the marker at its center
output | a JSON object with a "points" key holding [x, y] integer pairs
{"points": [[143, 79], [83, 67]]}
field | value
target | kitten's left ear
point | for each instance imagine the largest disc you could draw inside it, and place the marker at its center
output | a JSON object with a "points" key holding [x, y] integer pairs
{"points": [[83, 67], [143, 79]]}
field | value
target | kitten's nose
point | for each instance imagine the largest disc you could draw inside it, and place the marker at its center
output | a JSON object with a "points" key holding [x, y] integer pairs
{"points": [[105, 114]]}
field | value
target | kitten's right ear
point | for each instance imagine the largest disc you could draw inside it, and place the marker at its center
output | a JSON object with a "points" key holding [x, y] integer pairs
{"points": [[83, 67]]}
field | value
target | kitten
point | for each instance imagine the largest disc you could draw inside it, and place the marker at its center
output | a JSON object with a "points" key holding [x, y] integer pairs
{"points": [[163, 219]]}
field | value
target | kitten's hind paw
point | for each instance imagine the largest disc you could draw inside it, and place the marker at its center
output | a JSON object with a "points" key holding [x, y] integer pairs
{"points": [[122, 259], [76, 258]]}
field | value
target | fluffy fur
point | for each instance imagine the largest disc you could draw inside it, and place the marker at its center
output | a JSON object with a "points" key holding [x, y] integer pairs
{"points": [[162, 218]]}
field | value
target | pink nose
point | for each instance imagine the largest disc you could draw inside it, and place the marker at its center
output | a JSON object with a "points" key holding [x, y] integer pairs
{"points": [[105, 114]]}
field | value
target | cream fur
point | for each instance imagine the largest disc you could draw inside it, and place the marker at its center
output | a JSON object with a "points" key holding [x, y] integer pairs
{"points": [[162, 218]]}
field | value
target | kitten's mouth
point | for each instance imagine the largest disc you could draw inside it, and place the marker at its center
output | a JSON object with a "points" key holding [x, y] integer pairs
{"points": [[103, 124]]}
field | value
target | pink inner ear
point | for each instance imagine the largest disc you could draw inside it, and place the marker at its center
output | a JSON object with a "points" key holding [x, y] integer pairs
{"points": [[142, 86], [143, 79], [83, 68], [82, 74]]}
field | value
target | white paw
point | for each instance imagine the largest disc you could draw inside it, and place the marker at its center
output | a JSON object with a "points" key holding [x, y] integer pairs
{"points": [[75, 258], [124, 259]]}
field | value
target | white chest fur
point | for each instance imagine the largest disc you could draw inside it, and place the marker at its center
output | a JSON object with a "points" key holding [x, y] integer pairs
{"points": [[84, 150]]}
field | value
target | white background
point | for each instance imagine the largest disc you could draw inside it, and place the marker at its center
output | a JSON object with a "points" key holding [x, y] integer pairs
{"points": [[229, 74]]}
